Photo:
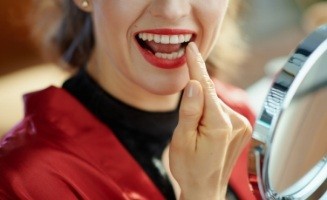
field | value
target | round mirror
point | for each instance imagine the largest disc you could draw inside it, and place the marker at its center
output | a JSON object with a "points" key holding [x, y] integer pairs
{"points": [[292, 127]]}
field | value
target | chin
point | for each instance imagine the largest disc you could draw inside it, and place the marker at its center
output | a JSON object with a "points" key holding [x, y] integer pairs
{"points": [[167, 89], [164, 82]]}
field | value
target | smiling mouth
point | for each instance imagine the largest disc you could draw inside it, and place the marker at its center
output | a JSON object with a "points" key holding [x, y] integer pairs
{"points": [[168, 47]]}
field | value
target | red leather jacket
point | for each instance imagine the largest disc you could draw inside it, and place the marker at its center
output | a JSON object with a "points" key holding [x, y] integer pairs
{"points": [[61, 151]]}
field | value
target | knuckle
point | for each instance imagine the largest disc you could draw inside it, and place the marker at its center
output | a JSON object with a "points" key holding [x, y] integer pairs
{"points": [[199, 59], [227, 123], [222, 127], [208, 82], [243, 124], [189, 112]]}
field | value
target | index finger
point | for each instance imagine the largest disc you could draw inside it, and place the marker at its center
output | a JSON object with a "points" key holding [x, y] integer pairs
{"points": [[197, 68], [213, 114]]}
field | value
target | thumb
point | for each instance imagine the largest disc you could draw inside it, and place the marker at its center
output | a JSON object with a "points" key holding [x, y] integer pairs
{"points": [[191, 108]]}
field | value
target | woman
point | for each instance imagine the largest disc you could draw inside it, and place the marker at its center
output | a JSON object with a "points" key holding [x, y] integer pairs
{"points": [[104, 134]]}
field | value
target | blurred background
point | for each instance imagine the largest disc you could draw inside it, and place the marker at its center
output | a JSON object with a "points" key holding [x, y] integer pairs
{"points": [[272, 29]]}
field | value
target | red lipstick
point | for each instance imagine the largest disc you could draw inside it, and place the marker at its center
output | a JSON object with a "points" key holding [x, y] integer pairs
{"points": [[149, 51]]}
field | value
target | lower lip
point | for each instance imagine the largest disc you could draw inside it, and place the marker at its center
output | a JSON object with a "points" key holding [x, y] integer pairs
{"points": [[159, 62]]}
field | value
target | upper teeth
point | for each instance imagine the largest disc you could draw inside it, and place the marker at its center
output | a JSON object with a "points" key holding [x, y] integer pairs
{"points": [[165, 39]]}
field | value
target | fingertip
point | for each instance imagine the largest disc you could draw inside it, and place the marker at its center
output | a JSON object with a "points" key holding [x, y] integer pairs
{"points": [[196, 64], [192, 51], [192, 47]]}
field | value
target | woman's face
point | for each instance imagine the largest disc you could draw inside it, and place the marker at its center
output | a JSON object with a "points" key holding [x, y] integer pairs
{"points": [[140, 43]]}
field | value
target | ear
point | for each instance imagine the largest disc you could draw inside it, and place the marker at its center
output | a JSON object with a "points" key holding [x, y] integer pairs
{"points": [[85, 5]]}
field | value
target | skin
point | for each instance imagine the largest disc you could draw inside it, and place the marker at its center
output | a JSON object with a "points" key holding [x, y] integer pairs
{"points": [[209, 136], [117, 64]]}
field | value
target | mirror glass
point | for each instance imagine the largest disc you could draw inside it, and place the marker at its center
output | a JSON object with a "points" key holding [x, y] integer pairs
{"points": [[292, 128], [300, 140]]}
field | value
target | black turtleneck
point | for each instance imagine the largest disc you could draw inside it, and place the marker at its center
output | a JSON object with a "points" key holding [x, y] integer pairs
{"points": [[144, 134]]}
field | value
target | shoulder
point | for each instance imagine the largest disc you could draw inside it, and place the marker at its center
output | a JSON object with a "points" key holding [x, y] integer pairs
{"points": [[46, 135], [36, 153], [60, 149], [21, 167], [38, 165]]}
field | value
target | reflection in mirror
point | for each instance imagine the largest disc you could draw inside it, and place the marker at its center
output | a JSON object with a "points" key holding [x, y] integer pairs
{"points": [[292, 127], [294, 154]]}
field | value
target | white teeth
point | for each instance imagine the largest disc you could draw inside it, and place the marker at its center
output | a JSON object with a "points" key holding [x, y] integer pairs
{"points": [[156, 38], [171, 56], [174, 39], [181, 38], [165, 39], [150, 37], [143, 37], [187, 37], [180, 53]]}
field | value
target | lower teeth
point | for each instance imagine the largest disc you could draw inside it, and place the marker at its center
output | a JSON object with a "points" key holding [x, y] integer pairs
{"points": [[170, 56]]}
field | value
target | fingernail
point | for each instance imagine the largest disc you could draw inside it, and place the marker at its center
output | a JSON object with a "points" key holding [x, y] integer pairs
{"points": [[193, 47], [191, 90]]}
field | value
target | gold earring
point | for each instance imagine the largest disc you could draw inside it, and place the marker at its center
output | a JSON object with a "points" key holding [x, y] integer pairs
{"points": [[85, 3]]}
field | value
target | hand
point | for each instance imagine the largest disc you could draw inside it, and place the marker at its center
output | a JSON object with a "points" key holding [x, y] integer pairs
{"points": [[208, 138]]}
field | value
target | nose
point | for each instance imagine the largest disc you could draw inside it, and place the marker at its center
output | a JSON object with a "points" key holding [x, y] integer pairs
{"points": [[170, 9]]}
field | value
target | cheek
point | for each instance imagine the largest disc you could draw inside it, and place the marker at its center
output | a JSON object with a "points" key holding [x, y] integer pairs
{"points": [[112, 27], [108, 18], [210, 15], [116, 16], [211, 10], [120, 12], [116, 20]]}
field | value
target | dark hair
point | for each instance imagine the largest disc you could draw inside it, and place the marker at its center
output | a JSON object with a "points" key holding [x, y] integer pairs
{"points": [[63, 31], [75, 38]]}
